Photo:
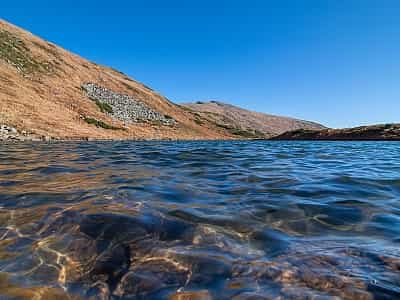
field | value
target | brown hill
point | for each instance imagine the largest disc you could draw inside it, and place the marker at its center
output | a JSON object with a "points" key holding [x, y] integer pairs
{"points": [[243, 122], [48, 91], [373, 132]]}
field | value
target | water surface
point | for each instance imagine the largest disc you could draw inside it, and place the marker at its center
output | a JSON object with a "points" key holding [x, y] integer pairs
{"points": [[200, 220]]}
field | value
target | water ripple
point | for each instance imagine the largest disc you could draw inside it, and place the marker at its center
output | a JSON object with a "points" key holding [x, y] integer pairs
{"points": [[200, 220]]}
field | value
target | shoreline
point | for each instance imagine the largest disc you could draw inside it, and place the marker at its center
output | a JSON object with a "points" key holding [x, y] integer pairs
{"points": [[9, 135], [63, 140]]}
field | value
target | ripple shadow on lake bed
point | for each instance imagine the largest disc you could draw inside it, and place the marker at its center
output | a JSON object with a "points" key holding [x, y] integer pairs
{"points": [[200, 220]]}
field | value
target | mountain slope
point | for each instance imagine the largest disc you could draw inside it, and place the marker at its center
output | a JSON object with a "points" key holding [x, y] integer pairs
{"points": [[363, 133], [240, 121], [48, 91]]}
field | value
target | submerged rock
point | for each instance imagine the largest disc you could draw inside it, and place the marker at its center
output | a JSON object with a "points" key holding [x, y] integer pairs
{"points": [[191, 295]]}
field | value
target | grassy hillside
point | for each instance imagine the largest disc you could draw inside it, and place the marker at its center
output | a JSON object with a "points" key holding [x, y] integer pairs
{"points": [[41, 93]]}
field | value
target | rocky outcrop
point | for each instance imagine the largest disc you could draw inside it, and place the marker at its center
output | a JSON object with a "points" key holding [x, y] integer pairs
{"points": [[124, 107], [362, 133]]}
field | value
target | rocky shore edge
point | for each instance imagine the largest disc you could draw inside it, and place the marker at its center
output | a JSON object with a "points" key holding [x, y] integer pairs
{"points": [[12, 134]]}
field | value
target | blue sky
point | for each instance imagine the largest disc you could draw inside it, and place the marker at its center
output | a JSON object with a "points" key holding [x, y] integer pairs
{"points": [[332, 61]]}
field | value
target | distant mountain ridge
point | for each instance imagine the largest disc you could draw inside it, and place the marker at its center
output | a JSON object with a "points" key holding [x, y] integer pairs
{"points": [[378, 132], [240, 120]]}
